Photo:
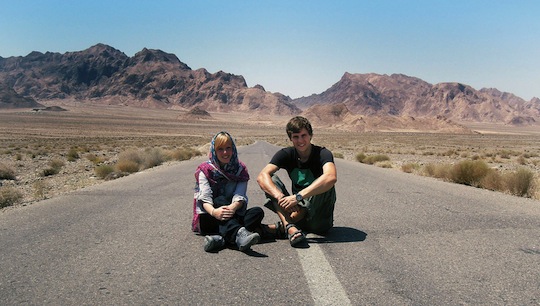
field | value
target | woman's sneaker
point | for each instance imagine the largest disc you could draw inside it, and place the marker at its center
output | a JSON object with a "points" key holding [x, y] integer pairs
{"points": [[213, 243], [245, 239]]}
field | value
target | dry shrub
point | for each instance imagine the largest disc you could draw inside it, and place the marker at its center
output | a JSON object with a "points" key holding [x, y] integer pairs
{"points": [[54, 167], [372, 159], [338, 155], [9, 196], [129, 161], [72, 155], [469, 172], [40, 190], [410, 167], [492, 181], [126, 165], [56, 163], [438, 171], [183, 154], [152, 157], [520, 183], [384, 164], [94, 158], [102, 171], [6, 172]]}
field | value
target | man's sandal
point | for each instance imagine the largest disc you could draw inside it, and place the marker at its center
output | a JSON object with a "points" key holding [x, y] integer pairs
{"points": [[295, 238], [278, 233]]}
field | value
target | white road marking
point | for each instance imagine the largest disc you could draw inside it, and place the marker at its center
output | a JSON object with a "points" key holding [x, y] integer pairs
{"points": [[323, 284]]}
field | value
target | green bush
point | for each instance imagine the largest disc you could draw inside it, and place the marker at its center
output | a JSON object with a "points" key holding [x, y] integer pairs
{"points": [[9, 196], [360, 157]]}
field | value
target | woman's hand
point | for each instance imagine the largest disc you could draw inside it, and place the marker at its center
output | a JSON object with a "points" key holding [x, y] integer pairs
{"points": [[223, 213]]}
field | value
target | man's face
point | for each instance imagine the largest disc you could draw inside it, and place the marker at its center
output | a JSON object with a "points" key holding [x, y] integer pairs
{"points": [[301, 140]]}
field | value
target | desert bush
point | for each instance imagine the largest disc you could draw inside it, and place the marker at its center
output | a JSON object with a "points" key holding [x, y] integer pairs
{"points": [[384, 164], [56, 163], [152, 157], [520, 182], [39, 189], [493, 180], [372, 159], [9, 196], [129, 161], [129, 166], [438, 171], [94, 158], [410, 167], [54, 167], [505, 154], [360, 157], [183, 154], [469, 172], [338, 155], [6, 172], [49, 171], [72, 155], [102, 171]]}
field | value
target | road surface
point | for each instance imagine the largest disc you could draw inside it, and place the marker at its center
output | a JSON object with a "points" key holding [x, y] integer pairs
{"points": [[399, 239]]}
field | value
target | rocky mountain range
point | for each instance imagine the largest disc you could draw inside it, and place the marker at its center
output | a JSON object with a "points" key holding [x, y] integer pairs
{"points": [[153, 78], [404, 96]]}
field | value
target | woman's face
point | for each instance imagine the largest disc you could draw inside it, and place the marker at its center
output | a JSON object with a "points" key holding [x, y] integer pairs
{"points": [[224, 152]]}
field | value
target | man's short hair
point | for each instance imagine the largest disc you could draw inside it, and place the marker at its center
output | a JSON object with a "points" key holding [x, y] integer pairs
{"points": [[296, 124]]}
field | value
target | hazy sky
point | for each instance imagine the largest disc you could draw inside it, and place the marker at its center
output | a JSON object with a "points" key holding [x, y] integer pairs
{"points": [[300, 47]]}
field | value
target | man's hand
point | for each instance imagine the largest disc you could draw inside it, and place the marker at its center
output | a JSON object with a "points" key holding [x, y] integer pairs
{"points": [[289, 203]]}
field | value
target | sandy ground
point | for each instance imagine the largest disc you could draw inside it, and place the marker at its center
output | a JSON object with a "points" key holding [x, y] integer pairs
{"points": [[31, 141]]}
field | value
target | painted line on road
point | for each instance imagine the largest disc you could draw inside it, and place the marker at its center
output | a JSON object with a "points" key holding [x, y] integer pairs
{"points": [[323, 284]]}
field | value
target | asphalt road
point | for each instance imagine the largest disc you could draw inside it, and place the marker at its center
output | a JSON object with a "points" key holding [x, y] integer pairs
{"points": [[398, 239]]}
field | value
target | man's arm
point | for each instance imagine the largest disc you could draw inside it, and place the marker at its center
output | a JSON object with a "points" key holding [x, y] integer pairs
{"points": [[323, 183], [265, 181]]}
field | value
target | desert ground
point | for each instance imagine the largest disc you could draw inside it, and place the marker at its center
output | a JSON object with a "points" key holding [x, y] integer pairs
{"points": [[87, 135]]}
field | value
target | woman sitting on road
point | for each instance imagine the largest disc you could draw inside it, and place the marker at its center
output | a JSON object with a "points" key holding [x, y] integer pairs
{"points": [[220, 203]]}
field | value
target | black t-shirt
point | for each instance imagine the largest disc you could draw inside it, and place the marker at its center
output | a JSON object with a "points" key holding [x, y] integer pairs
{"points": [[302, 174]]}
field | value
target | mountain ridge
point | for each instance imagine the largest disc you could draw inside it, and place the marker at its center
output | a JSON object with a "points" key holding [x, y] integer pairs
{"points": [[400, 95], [157, 79], [150, 78]]}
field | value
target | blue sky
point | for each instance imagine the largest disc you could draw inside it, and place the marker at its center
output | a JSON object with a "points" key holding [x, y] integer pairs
{"points": [[300, 47]]}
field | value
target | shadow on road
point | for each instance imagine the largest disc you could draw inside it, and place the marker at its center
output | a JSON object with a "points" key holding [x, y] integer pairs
{"points": [[339, 234]]}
